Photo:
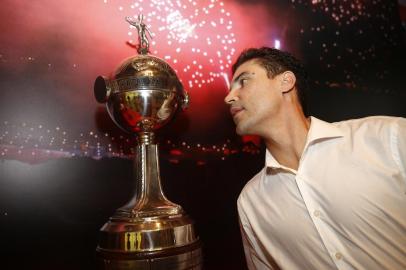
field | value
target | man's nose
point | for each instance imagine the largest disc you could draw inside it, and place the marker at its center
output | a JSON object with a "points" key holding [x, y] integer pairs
{"points": [[230, 98]]}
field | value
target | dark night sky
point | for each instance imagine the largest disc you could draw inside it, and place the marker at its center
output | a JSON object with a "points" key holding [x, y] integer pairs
{"points": [[50, 54]]}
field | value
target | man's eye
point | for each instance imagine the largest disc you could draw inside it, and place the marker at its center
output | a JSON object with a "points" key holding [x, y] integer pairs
{"points": [[243, 82]]}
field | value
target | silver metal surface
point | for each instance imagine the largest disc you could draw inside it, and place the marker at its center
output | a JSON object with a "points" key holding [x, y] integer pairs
{"points": [[189, 259], [143, 95], [143, 42], [149, 200], [149, 232]]}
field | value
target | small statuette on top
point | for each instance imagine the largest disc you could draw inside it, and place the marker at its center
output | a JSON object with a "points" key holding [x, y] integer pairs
{"points": [[142, 28]]}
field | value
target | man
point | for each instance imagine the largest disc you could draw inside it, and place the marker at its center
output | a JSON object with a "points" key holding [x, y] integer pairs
{"points": [[331, 195]]}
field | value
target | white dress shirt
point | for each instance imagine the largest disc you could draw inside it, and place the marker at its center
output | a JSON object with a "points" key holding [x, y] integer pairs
{"points": [[344, 208]]}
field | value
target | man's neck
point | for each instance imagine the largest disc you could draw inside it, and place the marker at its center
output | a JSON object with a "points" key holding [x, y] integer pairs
{"points": [[286, 140]]}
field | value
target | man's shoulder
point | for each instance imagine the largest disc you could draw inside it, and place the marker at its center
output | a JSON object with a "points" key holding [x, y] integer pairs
{"points": [[371, 125], [369, 120], [252, 186]]}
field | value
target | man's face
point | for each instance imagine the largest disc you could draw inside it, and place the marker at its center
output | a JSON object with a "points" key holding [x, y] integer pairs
{"points": [[254, 98]]}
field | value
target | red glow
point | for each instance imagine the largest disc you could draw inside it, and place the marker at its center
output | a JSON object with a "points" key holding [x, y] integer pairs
{"points": [[253, 139], [176, 152], [70, 43]]}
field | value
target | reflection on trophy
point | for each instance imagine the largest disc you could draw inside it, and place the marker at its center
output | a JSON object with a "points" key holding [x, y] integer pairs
{"points": [[149, 232]]}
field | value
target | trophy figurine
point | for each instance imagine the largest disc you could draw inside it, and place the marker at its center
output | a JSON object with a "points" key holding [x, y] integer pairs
{"points": [[149, 232]]}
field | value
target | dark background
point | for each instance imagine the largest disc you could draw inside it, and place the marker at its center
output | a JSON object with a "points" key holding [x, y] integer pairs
{"points": [[65, 167]]}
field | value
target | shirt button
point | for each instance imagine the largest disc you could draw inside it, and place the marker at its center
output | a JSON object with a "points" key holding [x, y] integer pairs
{"points": [[338, 256], [316, 213]]}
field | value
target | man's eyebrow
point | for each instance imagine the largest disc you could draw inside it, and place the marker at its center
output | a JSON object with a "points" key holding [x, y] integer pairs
{"points": [[240, 75]]}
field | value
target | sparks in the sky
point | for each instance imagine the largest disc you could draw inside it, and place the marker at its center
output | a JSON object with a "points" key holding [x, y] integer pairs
{"points": [[195, 37]]}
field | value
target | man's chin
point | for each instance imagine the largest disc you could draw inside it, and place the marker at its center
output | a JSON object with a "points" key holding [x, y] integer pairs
{"points": [[245, 130], [240, 131]]}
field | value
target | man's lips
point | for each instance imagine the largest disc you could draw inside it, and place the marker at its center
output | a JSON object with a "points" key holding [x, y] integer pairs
{"points": [[235, 110]]}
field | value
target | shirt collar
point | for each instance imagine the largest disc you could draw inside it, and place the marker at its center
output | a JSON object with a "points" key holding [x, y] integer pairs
{"points": [[319, 131]]}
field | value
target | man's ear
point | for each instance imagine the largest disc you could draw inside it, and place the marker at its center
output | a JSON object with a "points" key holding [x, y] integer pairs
{"points": [[288, 81]]}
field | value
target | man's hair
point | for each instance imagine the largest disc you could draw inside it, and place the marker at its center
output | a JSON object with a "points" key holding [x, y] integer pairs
{"points": [[276, 62]]}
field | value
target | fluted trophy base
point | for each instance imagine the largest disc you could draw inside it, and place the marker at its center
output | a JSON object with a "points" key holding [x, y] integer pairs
{"points": [[184, 258], [190, 259], [167, 242]]}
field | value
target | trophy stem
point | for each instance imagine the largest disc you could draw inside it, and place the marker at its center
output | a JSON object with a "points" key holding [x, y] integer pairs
{"points": [[146, 138], [149, 199]]}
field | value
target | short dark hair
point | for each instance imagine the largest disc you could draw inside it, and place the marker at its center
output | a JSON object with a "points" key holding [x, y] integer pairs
{"points": [[276, 62]]}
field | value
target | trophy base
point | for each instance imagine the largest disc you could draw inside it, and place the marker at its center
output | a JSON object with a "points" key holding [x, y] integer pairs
{"points": [[160, 242], [182, 258]]}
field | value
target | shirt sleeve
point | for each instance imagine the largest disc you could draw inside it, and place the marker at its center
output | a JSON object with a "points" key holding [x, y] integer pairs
{"points": [[248, 249], [398, 143], [250, 245]]}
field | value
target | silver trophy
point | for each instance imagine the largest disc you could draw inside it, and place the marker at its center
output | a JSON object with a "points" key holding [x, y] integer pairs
{"points": [[149, 232]]}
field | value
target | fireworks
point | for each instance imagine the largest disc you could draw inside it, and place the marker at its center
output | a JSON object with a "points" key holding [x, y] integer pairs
{"points": [[197, 39], [351, 37], [347, 44], [36, 143], [344, 12]]}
